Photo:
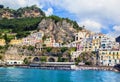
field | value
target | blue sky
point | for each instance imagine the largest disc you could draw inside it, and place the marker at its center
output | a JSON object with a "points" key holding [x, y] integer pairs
{"points": [[96, 15]]}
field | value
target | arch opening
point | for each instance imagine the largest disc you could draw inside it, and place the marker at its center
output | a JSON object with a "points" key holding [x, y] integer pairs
{"points": [[51, 60], [36, 59]]}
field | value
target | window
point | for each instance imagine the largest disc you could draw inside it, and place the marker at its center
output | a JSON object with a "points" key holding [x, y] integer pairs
{"points": [[109, 60], [101, 57], [117, 56], [113, 53], [103, 53], [109, 52], [76, 38], [117, 53], [109, 57]]}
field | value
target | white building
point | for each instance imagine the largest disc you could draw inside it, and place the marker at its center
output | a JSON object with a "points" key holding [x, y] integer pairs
{"points": [[82, 34], [107, 43], [33, 39], [14, 62], [109, 58]]}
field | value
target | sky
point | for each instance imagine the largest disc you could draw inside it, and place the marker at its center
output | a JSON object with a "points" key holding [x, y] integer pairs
{"points": [[96, 15]]}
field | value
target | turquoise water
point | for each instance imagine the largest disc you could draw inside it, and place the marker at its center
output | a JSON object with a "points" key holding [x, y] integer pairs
{"points": [[38, 75]]}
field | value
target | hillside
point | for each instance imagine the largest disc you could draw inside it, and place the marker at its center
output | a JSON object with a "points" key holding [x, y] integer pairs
{"points": [[32, 11], [60, 29], [32, 18]]}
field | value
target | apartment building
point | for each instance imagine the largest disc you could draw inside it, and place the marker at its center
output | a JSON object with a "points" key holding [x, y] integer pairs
{"points": [[109, 58]]}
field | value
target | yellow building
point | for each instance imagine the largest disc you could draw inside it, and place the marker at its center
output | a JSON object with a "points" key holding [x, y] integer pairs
{"points": [[49, 42], [109, 58], [95, 44], [15, 42], [2, 42]]}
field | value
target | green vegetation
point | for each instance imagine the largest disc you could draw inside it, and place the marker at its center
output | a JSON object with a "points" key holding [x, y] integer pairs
{"points": [[59, 19], [22, 34], [48, 49], [31, 47], [75, 25], [77, 60], [2, 49], [63, 49], [1, 57], [20, 26], [43, 58], [20, 11], [7, 39], [59, 59], [55, 18], [88, 63], [26, 61]]}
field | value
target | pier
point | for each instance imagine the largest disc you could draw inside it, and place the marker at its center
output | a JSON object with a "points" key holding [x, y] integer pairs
{"points": [[54, 65]]}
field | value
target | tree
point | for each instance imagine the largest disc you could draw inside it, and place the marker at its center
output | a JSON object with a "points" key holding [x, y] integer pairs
{"points": [[26, 61], [31, 47], [48, 49], [43, 58], [77, 60], [7, 40], [1, 57], [59, 59], [63, 49]]}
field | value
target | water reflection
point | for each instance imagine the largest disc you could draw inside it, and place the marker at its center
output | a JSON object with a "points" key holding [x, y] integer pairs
{"points": [[37, 75], [95, 76]]}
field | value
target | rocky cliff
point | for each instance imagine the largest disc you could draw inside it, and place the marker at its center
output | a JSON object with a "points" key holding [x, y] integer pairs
{"points": [[62, 30], [59, 29], [32, 11]]}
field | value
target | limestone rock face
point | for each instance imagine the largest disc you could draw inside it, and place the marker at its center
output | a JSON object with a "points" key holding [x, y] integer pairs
{"points": [[32, 11], [12, 51], [61, 31]]}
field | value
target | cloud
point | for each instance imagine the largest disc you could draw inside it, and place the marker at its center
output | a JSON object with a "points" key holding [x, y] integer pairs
{"points": [[91, 25], [96, 14], [115, 32], [116, 28], [103, 11], [15, 4], [49, 12]]}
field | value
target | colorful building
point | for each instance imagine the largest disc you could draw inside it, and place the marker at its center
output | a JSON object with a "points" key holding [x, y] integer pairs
{"points": [[109, 58], [96, 44], [49, 42], [15, 42], [2, 42], [107, 43], [33, 39]]}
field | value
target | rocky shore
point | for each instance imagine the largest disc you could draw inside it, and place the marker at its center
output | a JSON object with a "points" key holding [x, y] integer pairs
{"points": [[94, 68], [67, 67], [73, 68]]}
